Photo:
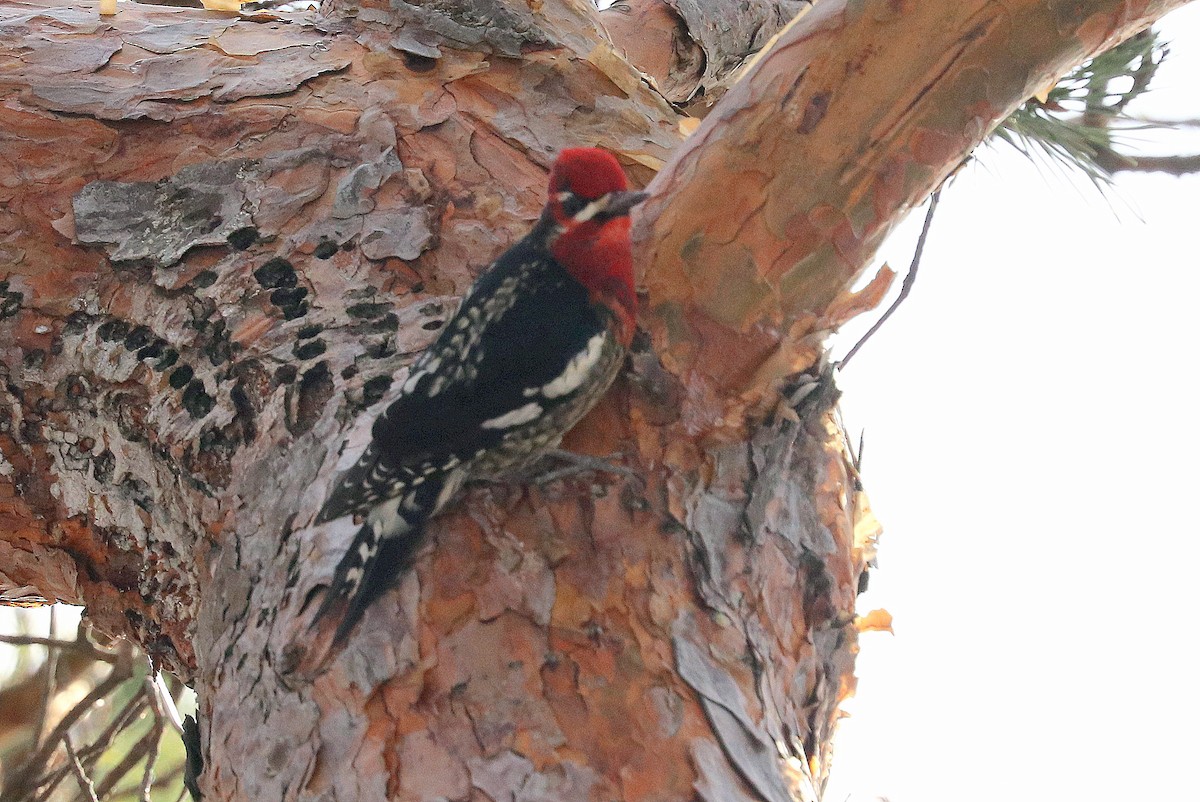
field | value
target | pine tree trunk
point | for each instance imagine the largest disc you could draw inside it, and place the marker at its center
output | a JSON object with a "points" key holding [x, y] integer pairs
{"points": [[223, 242]]}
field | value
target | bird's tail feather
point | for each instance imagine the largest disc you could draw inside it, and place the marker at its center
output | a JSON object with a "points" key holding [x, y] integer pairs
{"points": [[393, 556], [384, 547]]}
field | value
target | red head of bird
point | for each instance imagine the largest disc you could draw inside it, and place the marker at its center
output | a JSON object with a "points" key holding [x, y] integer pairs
{"points": [[589, 204]]}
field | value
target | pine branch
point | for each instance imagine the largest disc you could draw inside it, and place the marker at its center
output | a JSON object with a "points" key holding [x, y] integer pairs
{"points": [[1116, 162], [1079, 121]]}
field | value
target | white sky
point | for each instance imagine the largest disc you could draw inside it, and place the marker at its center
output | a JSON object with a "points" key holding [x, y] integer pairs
{"points": [[1032, 428]]}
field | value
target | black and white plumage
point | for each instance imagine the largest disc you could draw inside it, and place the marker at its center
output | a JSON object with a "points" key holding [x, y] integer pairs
{"points": [[534, 345]]}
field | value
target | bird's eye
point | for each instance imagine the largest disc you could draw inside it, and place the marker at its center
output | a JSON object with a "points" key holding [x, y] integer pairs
{"points": [[571, 204]]}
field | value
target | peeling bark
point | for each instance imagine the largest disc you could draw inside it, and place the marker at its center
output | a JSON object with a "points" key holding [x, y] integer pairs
{"points": [[222, 243], [694, 50]]}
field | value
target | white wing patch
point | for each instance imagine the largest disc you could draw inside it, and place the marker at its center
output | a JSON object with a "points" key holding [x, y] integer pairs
{"points": [[410, 384], [515, 418], [454, 481], [386, 521], [576, 371]]}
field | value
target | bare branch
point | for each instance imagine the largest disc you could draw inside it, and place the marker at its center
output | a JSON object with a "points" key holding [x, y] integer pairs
{"points": [[85, 782], [1116, 162], [905, 287], [81, 645], [91, 753], [140, 750], [154, 696], [1155, 122], [24, 781], [50, 667]]}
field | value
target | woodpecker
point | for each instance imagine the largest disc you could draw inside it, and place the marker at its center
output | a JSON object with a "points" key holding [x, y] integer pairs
{"points": [[535, 344]]}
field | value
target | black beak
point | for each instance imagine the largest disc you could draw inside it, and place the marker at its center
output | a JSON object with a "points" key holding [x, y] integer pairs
{"points": [[620, 203]]}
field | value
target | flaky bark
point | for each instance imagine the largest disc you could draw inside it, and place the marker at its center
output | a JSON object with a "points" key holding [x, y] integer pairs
{"points": [[223, 240], [693, 50]]}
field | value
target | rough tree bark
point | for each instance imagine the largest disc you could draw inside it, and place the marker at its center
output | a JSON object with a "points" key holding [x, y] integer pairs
{"points": [[222, 242]]}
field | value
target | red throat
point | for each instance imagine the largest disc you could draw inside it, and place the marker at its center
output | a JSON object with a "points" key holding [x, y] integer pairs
{"points": [[595, 251], [597, 254]]}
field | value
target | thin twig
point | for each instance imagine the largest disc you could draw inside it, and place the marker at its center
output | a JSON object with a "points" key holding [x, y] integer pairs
{"points": [[134, 756], [51, 669], [124, 719], [24, 778], [81, 646], [161, 782], [156, 694], [85, 783], [855, 455], [909, 279], [90, 754], [81, 643], [1178, 165], [151, 760], [1155, 122]]}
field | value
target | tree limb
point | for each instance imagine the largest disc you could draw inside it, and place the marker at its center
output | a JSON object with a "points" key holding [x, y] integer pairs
{"points": [[848, 121], [1117, 162]]}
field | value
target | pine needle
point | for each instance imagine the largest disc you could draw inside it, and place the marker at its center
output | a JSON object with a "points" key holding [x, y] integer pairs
{"points": [[1079, 121]]}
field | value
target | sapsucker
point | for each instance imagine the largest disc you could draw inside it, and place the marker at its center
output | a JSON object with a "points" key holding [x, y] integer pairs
{"points": [[535, 344]]}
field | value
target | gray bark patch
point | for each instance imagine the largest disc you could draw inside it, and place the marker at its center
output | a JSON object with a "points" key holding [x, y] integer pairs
{"points": [[727, 32], [506, 29], [747, 746], [159, 222], [402, 233]]}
